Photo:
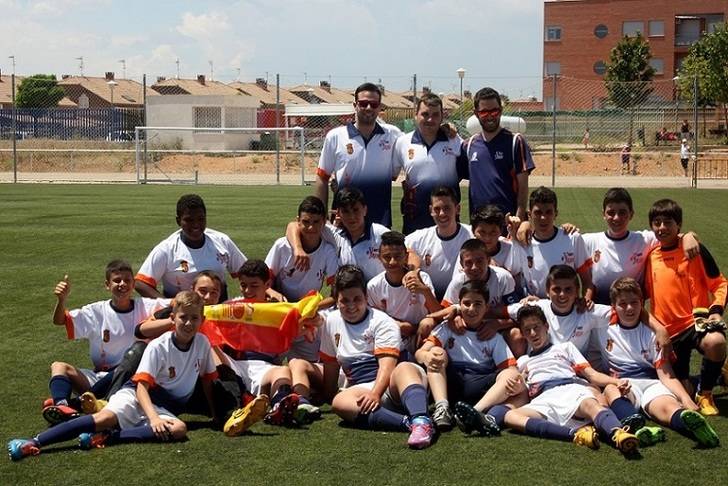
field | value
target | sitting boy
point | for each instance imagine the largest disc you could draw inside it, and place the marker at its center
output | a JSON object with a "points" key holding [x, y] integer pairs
{"points": [[177, 259], [164, 381], [461, 367], [109, 327], [630, 350], [379, 394], [675, 287]]}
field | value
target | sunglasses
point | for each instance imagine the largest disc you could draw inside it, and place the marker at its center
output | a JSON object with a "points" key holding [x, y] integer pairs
{"points": [[488, 113], [367, 103]]}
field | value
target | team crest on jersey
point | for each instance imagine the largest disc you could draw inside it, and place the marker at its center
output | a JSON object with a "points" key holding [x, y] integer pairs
{"points": [[385, 145], [184, 266], [636, 257], [223, 258], [337, 339], [321, 275], [530, 261], [349, 148], [172, 372], [428, 260], [450, 343], [447, 150], [498, 155], [596, 256], [106, 336], [568, 258], [411, 154], [610, 345], [645, 355], [383, 304], [368, 336], [373, 253], [290, 272]]}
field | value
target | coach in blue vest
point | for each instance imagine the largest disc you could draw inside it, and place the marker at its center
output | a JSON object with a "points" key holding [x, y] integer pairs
{"points": [[496, 161]]}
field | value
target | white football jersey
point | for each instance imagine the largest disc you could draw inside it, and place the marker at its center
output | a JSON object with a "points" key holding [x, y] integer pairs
{"points": [[396, 301], [612, 259], [293, 283], [561, 249], [365, 251], [357, 346], [176, 265], [176, 371], [469, 354], [556, 362], [630, 352], [574, 328], [109, 332], [501, 287], [438, 256]]}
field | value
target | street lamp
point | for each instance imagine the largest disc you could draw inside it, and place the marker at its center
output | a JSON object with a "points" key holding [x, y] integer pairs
{"points": [[112, 84], [461, 75]]}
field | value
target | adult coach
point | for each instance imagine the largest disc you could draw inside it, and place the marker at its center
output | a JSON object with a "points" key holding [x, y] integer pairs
{"points": [[496, 161], [428, 157], [359, 154]]}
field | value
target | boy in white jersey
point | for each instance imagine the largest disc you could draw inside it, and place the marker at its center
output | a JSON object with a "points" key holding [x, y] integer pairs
{"points": [[560, 404], [407, 301], [553, 246], [438, 246], [176, 260], [464, 368], [164, 381], [630, 350], [109, 327], [379, 394]]}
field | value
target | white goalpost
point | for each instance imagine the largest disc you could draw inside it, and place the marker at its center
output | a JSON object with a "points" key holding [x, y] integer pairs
{"points": [[191, 155]]}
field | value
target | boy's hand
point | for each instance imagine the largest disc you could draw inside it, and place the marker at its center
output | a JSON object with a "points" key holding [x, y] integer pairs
{"points": [[457, 325], [524, 233], [368, 402], [444, 314], [527, 299], [275, 296], [487, 330], [691, 246], [435, 359], [515, 385], [162, 428], [512, 225], [569, 228], [583, 305], [414, 283], [301, 260], [689, 404], [624, 387], [664, 343], [63, 288]]}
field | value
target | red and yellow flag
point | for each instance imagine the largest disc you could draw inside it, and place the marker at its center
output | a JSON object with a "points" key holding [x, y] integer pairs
{"points": [[263, 327]]}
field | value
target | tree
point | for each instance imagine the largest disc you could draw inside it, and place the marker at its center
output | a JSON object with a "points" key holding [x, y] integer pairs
{"points": [[39, 91], [629, 75], [708, 60]]}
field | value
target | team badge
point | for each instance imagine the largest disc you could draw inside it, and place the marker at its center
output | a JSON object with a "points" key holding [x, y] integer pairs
{"points": [[172, 372], [411, 154], [450, 343], [610, 345], [568, 258], [530, 261], [349, 148], [597, 255], [635, 258], [337, 339], [428, 260], [184, 266], [223, 258], [383, 303], [107, 336], [290, 271], [385, 145], [238, 310]]}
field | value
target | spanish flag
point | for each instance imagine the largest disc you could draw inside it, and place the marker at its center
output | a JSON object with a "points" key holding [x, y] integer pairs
{"points": [[263, 327]]}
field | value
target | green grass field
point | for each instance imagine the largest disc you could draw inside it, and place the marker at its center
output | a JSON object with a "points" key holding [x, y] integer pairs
{"points": [[51, 230]]}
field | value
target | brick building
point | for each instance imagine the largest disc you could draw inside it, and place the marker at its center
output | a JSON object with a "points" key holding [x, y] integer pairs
{"points": [[579, 35]]}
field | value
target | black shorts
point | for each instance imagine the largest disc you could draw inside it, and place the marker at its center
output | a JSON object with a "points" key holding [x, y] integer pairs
{"points": [[684, 163], [468, 386], [683, 345]]}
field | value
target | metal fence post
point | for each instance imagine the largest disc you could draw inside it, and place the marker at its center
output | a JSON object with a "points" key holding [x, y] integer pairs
{"points": [[695, 131], [303, 157], [278, 134], [553, 132], [144, 124], [15, 147]]}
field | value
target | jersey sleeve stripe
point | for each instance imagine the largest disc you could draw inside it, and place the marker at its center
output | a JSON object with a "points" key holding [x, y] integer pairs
{"points": [[445, 303], [144, 378], [432, 339], [581, 367], [210, 376], [585, 266], [505, 364], [146, 279], [68, 322], [322, 173], [394, 352]]}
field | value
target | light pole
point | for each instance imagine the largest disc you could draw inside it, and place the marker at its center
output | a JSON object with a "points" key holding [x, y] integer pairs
{"points": [[461, 75], [13, 58], [112, 84]]}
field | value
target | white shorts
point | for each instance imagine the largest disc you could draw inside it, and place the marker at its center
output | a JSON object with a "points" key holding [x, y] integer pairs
{"points": [[645, 390], [92, 376], [559, 404], [388, 400], [129, 413], [251, 371]]}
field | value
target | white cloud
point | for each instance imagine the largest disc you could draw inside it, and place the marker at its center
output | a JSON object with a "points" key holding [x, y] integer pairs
{"points": [[203, 27], [128, 40]]}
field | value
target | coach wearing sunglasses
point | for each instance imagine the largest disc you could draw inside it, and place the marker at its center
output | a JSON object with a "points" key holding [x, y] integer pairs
{"points": [[496, 161], [360, 154]]}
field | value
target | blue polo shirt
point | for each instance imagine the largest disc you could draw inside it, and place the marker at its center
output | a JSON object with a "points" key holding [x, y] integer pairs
{"points": [[492, 168]]}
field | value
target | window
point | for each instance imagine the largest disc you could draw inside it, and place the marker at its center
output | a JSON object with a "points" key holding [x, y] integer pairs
{"points": [[657, 28], [632, 28], [658, 65], [552, 68], [553, 33], [600, 68], [601, 31], [208, 117]]}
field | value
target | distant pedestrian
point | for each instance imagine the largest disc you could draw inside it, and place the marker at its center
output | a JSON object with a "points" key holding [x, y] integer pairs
{"points": [[626, 155], [685, 130], [585, 140], [684, 155]]}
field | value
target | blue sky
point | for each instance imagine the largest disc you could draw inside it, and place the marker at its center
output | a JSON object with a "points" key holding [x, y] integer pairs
{"points": [[498, 42]]}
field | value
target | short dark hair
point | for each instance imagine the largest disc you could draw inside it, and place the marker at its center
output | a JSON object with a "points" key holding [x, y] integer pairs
{"points": [[188, 203], [617, 195], [473, 244], [542, 195], [349, 277], [393, 238], [530, 311], [115, 266], [445, 191], [347, 197], [209, 274], [488, 214], [255, 268], [624, 285], [486, 94], [667, 208], [475, 287], [367, 87], [312, 205], [558, 272], [430, 100]]}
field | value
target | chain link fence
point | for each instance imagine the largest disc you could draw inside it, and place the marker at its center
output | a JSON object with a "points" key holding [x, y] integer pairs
{"points": [[85, 129]]}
